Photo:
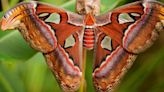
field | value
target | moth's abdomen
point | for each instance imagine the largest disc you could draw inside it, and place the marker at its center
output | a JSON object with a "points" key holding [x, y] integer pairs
{"points": [[88, 40]]}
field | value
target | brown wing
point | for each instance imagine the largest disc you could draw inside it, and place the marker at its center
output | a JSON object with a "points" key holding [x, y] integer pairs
{"points": [[66, 60], [135, 26], [54, 32], [121, 35], [110, 63]]}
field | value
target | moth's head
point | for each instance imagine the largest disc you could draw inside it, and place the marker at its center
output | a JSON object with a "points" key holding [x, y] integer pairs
{"points": [[12, 18]]}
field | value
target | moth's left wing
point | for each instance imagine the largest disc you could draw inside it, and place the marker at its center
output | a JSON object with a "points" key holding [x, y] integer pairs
{"points": [[67, 58], [121, 35], [54, 32]]}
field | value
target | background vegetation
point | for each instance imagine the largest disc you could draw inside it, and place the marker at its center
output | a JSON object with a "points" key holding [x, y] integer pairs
{"points": [[24, 70]]}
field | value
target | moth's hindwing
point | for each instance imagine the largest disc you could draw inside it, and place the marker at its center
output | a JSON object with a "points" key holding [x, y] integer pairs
{"points": [[111, 63]]}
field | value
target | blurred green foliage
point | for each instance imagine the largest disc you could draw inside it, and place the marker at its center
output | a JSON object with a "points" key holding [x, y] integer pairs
{"points": [[22, 69]]}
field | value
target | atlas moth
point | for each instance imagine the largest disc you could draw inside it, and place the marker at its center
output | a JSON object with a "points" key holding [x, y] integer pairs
{"points": [[116, 37]]}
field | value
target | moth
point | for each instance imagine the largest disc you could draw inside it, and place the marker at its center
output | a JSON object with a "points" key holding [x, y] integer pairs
{"points": [[116, 37]]}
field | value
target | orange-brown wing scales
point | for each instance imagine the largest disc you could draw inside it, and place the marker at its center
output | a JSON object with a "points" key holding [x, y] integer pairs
{"points": [[107, 77], [116, 38], [66, 60], [130, 30], [66, 72], [66, 63], [136, 25], [140, 35], [114, 28], [63, 31], [61, 28], [99, 52], [53, 32], [22, 17], [110, 64]]}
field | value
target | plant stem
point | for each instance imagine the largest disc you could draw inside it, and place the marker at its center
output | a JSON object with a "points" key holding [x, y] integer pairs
{"points": [[5, 5], [83, 83]]}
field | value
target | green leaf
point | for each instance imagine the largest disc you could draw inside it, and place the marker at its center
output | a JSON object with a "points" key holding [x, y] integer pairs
{"points": [[13, 46], [144, 73], [9, 78]]}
